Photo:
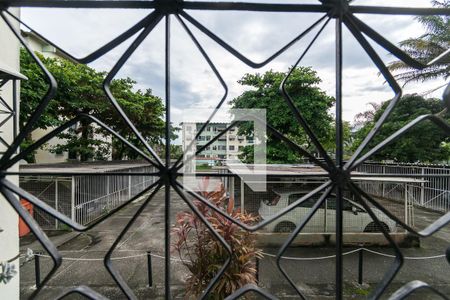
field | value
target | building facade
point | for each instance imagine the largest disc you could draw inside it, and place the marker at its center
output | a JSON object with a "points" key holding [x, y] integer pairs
{"points": [[227, 147], [9, 92], [43, 154]]}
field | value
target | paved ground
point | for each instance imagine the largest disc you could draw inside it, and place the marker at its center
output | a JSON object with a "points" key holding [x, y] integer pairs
{"points": [[315, 278]]}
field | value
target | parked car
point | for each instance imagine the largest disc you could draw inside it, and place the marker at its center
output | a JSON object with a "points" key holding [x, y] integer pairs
{"points": [[355, 217]]}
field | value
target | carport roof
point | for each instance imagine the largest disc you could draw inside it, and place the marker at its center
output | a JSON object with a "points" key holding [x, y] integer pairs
{"points": [[388, 179], [84, 167], [273, 169], [310, 170]]}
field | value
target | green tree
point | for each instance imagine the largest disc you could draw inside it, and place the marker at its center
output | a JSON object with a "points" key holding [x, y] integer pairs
{"points": [[313, 103], [423, 143], [80, 91], [426, 47]]}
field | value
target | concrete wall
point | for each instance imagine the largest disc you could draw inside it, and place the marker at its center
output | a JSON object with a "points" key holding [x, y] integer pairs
{"points": [[9, 238], [43, 155]]}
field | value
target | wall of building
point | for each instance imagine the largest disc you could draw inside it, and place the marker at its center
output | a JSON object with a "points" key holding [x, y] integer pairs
{"points": [[235, 143], [9, 237], [43, 155], [228, 146]]}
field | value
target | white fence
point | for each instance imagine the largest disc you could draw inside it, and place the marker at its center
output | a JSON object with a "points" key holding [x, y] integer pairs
{"points": [[281, 192], [429, 192], [85, 198]]}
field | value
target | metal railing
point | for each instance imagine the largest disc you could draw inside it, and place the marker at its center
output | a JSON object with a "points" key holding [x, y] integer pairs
{"points": [[429, 192], [338, 12], [85, 198], [289, 190]]}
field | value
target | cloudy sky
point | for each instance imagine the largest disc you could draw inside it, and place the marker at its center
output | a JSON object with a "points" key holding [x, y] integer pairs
{"points": [[256, 35]]}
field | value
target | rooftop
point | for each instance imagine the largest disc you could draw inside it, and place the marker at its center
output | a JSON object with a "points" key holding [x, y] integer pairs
{"points": [[311, 170], [82, 167]]}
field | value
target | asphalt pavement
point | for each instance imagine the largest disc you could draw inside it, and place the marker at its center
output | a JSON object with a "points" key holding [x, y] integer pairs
{"points": [[83, 262]]}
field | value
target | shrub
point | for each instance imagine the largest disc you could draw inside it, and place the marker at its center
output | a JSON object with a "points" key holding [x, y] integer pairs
{"points": [[203, 255]]}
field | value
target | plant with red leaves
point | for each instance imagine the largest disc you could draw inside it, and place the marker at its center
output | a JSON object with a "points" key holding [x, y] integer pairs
{"points": [[203, 255]]}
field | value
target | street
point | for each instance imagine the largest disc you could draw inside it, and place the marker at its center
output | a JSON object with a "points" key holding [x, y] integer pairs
{"points": [[83, 264]]}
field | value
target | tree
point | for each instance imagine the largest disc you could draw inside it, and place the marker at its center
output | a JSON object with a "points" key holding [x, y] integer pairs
{"points": [[313, 103], [364, 117], [426, 47], [423, 143], [80, 91]]}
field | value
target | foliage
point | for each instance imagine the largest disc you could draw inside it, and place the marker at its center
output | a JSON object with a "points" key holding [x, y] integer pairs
{"points": [[364, 117], [203, 167], [426, 47], [80, 91], [176, 150], [202, 253], [313, 103], [425, 142]]}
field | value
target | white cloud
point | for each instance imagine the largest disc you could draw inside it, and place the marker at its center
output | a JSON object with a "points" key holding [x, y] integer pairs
{"points": [[255, 34]]}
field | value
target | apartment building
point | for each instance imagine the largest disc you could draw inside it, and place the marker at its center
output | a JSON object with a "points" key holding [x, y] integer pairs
{"points": [[226, 147], [43, 154]]}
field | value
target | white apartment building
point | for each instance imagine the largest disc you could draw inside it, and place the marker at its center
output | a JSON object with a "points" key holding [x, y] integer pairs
{"points": [[43, 155], [227, 147]]}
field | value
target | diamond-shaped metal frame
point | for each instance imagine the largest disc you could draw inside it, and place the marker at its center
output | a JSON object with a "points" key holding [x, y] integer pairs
{"points": [[338, 171], [9, 113]]}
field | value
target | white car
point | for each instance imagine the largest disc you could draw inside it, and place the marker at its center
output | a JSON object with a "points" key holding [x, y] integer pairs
{"points": [[355, 217]]}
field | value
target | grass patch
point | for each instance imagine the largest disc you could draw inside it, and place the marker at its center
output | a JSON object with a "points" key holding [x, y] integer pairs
{"points": [[357, 290], [203, 167]]}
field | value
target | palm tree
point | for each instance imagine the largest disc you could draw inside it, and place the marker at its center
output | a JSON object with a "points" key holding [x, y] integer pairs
{"points": [[425, 48]]}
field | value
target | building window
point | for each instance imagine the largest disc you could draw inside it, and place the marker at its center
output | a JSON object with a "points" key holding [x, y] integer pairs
{"points": [[240, 148], [231, 147], [208, 137], [49, 49]]}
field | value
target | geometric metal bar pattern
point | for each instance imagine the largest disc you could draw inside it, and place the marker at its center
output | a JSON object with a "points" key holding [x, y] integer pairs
{"points": [[339, 172], [6, 111]]}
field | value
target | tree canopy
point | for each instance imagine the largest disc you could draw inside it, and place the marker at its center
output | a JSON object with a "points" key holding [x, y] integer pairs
{"points": [[423, 143], [80, 91], [426, 47], [313, 103]]}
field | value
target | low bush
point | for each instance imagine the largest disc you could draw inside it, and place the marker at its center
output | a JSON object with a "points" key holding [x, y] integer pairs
{"points": [[203, 255]]}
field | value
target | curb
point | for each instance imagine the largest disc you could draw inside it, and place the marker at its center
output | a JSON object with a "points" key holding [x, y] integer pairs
{"points": [[56, 240]]}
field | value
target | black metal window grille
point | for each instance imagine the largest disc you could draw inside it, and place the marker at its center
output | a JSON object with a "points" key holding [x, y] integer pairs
{"points": [[9, 112], [342, 13]]}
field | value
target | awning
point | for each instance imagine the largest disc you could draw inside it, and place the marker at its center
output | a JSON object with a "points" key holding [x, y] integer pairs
{"points": [[7, 74]]}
